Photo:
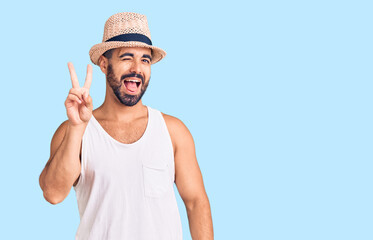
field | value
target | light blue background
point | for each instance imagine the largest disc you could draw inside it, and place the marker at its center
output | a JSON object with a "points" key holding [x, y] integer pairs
{"points": [[277, 95]]}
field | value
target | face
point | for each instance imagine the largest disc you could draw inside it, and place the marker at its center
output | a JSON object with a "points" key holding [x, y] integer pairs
{"points": [[128, 74]]}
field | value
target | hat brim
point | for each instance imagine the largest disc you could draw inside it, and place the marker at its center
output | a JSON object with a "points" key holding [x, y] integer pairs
{"points": [[97, 50]]}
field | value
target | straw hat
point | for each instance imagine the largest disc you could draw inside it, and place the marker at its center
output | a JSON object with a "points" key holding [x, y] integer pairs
{"points": [[126, 30]]}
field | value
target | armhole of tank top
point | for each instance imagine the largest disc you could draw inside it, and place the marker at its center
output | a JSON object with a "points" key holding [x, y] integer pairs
{"points": [[172, 157], [81, 178]]}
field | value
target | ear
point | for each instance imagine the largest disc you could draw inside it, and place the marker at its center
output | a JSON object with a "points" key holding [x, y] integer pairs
{"points": [[103, 62]]}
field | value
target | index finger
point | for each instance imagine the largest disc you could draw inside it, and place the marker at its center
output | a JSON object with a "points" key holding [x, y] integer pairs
{"points": [[74, 78], [88, 78]]}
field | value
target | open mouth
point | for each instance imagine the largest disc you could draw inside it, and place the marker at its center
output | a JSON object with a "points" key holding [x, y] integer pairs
{"points": [[132, 85]]}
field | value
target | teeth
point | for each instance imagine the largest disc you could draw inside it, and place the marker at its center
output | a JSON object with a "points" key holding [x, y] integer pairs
{"points": [[131, 80]]}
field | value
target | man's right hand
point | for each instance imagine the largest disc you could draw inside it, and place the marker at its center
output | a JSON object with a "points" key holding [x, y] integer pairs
{"points": [[79, 103]]}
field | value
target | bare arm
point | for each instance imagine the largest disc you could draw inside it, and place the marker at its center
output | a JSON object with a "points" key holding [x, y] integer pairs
{"points": [[63, 167], [188, 179]]}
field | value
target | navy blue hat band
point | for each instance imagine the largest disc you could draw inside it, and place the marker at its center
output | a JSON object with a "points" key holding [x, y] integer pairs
{"points": [[128, 37]]}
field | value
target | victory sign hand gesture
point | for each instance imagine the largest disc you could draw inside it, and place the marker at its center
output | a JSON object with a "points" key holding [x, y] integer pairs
{"points": [[78, 103]]}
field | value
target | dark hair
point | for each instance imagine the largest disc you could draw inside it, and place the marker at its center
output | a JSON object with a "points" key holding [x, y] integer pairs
{"points": [[108, 54]]}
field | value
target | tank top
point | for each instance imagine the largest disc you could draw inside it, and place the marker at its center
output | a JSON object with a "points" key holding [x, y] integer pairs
{"points": [[125, 191]]}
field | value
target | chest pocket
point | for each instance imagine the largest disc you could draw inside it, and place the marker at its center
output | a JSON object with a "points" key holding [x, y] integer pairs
{"points": [[157, 180]]}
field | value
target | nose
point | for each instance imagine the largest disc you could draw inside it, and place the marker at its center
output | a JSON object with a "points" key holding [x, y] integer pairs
{"points": [[136, 67]]}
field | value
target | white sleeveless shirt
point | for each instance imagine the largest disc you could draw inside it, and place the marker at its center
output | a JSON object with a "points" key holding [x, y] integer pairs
{"points": [[125, 191]]}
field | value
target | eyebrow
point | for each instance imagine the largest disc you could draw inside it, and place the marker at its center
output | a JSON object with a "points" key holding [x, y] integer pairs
{"points": [[126, 54], [131, 55], [147, 56]]}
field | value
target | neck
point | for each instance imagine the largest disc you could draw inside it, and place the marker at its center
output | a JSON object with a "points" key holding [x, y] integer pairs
{"points": [[112, 109]]}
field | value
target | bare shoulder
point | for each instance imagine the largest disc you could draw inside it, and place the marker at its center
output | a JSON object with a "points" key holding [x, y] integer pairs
{"points": [[58, 137], [62, 128], [175, 125], [57, 140], [60, 132], [177, 129]]}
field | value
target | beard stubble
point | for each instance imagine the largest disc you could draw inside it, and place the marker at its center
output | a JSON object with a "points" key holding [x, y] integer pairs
{"points": [[116, 85]]}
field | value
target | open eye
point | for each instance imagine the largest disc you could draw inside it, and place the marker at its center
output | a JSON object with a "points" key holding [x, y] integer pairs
{"points": [[146, 60]]}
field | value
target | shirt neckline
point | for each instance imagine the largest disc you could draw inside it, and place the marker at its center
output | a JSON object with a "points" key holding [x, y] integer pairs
{"points": [[94, 120]]}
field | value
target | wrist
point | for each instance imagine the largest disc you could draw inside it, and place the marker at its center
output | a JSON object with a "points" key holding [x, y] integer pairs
{"points": [[77, 127]]}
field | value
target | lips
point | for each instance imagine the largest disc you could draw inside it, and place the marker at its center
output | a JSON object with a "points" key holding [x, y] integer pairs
{"points": [[132, 84]]}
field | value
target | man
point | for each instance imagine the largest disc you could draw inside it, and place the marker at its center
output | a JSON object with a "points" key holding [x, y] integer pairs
{"points": [[123, 157]]}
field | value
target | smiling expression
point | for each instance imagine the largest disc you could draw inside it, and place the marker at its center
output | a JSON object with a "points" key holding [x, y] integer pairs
{"points": [[128, 73]]}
